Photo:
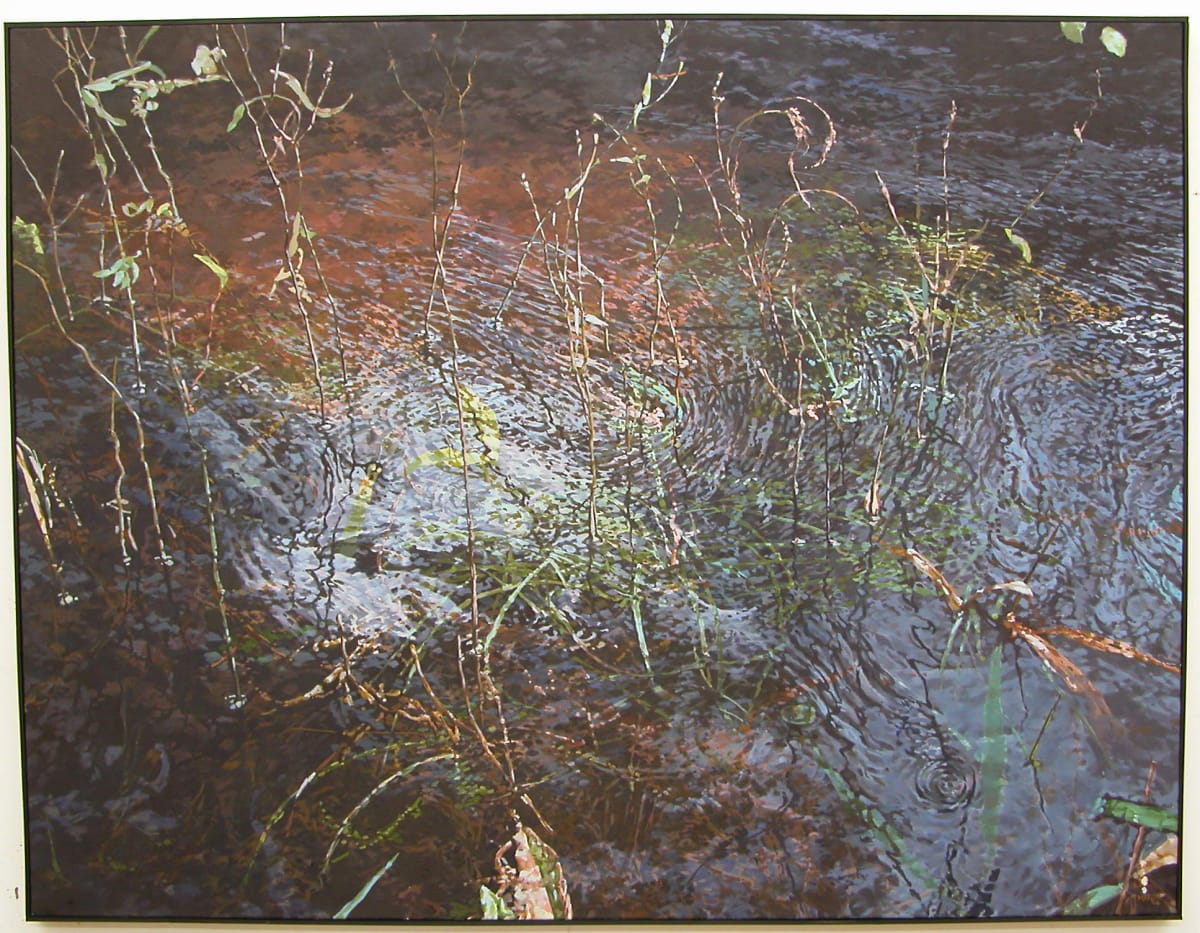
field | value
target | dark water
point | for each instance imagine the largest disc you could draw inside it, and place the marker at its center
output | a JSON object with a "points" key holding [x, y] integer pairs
{"points": [[659, 620]]}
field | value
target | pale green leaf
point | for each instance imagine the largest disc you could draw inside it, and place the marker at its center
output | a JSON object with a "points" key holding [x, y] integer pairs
{"points": [[447, 457], [214, 267], [102, 85], [302, 95], [493, 906], [1096, 897], [298, 229], [93, 101], [1073, 30], [1112, 40], [238, 112], [125, 271], [119, 78], [1020, 243], [26, 237], [207, 61], [101, 165], [134, 208], [480, 417]]}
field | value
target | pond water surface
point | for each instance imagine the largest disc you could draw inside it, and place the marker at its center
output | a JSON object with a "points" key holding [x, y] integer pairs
{"points": [[664, 448]]}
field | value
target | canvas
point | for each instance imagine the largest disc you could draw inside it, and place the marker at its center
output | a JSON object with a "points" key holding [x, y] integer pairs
{"points": [[599, 468]]}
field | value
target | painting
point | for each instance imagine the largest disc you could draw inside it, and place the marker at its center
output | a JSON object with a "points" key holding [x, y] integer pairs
{"points": [[598, 468]]}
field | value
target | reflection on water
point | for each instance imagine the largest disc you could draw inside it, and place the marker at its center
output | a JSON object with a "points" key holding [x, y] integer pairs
{"points": [[713, 544]]}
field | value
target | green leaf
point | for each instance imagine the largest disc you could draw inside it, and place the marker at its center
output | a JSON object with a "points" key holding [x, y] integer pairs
{"points": [[448, 457], [482, 419], [344, 910], [124, 271], [493, 907], [1073, 30], [101, 85], [1113, 41], [294, 252], [215, 267], [207, 61], [1020, 243], [361, 500], [134, 208], [302, 96], [1140, 814], [93, 101], [238, 112], [27, 237], [120, 78], [101, 165], [1086, 903]]}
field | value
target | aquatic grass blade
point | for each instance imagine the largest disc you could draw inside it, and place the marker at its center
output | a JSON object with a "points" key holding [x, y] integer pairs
{"points": [[957, 624], [344, 911], [635, 605], [886, 835], [995, 751], [375, 791], [512, 598]]}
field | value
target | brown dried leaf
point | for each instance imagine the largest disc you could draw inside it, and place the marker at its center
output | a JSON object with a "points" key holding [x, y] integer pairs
{"points": [[918, 560], [1013, 586], [1020, 587], [872, 502], [530, 899], [1075, 679], [1111, 646], [536, 888], [1164, 856]]}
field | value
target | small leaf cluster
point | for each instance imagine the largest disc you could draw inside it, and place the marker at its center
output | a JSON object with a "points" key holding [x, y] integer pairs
{"points": [[1110, 38]]}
